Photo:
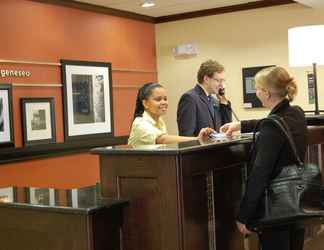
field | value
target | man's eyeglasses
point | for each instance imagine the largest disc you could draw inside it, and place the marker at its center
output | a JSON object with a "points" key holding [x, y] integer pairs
{"points": [[218, 80]]}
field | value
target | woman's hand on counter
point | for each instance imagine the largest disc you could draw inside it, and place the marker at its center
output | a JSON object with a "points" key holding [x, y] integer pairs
{"points": [[229, 128], [204, 134]]}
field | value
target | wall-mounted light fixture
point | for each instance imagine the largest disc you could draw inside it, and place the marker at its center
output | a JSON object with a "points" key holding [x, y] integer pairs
{"points": [[186, 50], [305, 45], [147, 4]]}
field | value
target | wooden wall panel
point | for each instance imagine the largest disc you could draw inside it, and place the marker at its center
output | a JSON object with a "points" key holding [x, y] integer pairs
{"points": [[40, 73], [33, 31], [44, 32], [64, 172], [126, 85]]}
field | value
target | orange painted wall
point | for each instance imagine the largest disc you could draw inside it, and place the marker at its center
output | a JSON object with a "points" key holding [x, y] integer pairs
{"points": [[61, 172], [32, 31]]}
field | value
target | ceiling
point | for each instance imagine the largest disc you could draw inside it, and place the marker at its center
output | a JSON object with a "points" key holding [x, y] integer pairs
{"points": [[172, 7], [165, 7], [312, 3]]}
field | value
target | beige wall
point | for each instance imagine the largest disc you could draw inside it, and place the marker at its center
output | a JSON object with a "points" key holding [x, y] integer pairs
{"points": [[240, 39]]}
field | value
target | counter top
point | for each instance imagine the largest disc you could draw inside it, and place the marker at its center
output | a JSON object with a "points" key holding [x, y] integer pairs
{"points": [[315, 120], [174, 149], [84, 200]]}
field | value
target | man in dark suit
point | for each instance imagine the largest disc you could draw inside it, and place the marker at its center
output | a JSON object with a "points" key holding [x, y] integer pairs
{"points": [[197, 108]]}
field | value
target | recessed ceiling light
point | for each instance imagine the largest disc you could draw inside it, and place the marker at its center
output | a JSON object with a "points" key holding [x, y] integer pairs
{"points": [[147, 4]]}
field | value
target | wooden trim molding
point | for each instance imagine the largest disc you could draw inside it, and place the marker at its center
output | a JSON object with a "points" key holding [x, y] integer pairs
{"points": [[98, 9], [37, 85], [135, 70], [8, 155], [127, 86], [29, 62], [223, 10], [59, 85], [170, 18], [6, 61]]}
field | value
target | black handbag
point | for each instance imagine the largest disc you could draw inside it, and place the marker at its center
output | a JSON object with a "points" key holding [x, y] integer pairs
{"points": [[296, 194]]}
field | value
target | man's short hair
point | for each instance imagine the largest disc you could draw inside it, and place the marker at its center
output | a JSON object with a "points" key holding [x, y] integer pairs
{"points": [[208, 68]]}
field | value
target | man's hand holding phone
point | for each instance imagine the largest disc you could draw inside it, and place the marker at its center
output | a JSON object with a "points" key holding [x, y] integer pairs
{"points": [[221, 96]]}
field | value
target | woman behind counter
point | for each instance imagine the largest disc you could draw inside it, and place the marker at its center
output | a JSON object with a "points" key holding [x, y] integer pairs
{"points": [[148, 127], [275, 88]]}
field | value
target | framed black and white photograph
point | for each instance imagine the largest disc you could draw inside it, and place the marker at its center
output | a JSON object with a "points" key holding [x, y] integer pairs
{"points": [[249, 92], [38, 119], [6, 119], [87, 93]]}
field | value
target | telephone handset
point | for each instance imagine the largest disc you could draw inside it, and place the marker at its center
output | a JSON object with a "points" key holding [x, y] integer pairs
{"points": [[221, 91]]}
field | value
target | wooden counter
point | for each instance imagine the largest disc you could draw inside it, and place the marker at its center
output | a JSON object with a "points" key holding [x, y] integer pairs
{"points": [[73, 220], [182, 197], [186, 196]]}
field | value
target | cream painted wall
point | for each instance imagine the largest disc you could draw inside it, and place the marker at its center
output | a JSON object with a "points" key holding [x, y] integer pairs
{"points": [[240, 39]]}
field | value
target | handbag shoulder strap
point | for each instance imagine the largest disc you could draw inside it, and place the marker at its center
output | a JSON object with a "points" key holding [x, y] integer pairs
{"points": [[282, 125]]}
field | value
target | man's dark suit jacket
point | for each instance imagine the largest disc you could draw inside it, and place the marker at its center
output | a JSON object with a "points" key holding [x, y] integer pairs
{"points": [[272, 153], [194, 113]]}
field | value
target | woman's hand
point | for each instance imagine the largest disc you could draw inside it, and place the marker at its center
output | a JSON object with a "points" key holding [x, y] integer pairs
{"points": [[204, 133], [242, 228], [229, 128]]}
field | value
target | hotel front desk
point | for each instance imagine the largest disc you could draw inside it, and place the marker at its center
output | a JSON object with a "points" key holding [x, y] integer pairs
{"points": [[175, 197], [184, 196]]}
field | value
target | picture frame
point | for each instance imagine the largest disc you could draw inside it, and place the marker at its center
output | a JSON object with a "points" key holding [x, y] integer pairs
{"points": [[78, 197], [87, 99], [41, 196], [38, 121], [8, 194], [311, 88], [250, 99], [6, 117], [85, 196]]}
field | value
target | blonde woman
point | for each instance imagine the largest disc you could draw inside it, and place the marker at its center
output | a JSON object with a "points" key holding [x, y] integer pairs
{"points": [[275, 88]]}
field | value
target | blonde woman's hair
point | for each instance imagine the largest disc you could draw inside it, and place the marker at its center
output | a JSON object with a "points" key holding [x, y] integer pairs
{"points": [[278, 81]]}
